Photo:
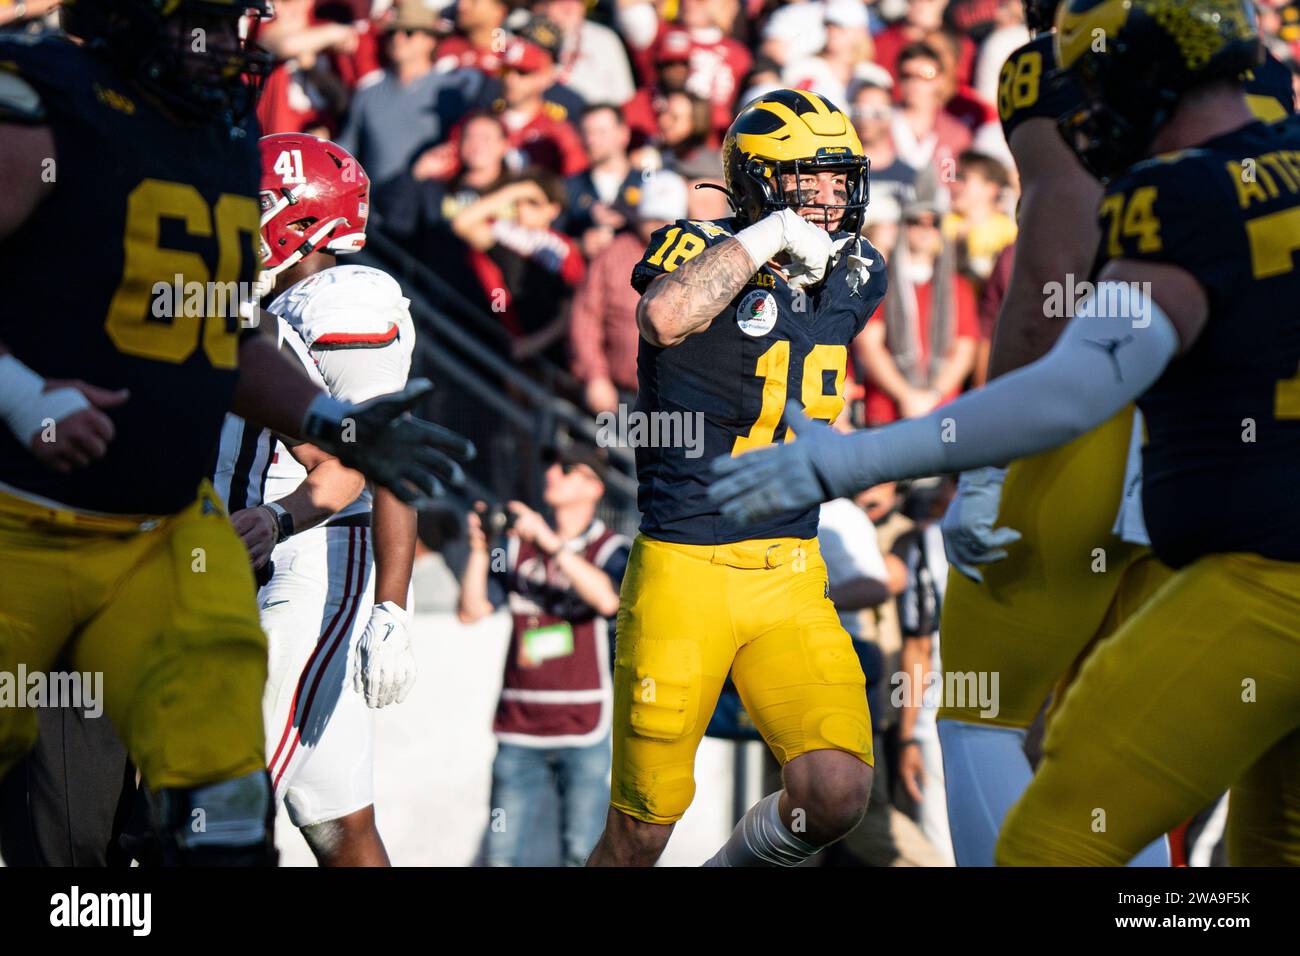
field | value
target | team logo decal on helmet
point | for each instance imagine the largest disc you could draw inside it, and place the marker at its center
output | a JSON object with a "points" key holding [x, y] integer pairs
{"points": [[792, 132], [314, 195], [1136, 58]]}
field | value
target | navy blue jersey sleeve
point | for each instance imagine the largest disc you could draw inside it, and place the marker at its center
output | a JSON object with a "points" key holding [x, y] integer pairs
{"points": [[673, 245], [1177, 210], [1030, 86]]}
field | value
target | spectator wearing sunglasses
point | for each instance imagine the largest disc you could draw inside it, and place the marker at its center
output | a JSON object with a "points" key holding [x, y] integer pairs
{"points": [[925, 134], [561, 584], [872, 109], [920, 348]]}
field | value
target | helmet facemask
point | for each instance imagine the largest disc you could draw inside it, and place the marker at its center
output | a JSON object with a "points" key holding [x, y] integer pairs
{"points": [[769, 177], [195, 59]]}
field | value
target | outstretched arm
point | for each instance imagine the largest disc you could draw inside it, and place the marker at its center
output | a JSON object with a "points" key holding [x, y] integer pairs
{"points": [[272, 391], [378, 438], [1113, 350]]}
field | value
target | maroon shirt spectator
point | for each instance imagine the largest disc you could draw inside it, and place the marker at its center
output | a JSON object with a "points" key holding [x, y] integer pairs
{"points": [[603, 335], [990, 304]]}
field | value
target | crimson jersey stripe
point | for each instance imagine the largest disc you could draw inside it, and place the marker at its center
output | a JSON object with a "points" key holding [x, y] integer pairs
{"points": [[320, 646]]}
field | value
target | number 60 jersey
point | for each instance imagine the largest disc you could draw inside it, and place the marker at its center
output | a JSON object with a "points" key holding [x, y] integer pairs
{"points": [[723, 391], [127, 274]]}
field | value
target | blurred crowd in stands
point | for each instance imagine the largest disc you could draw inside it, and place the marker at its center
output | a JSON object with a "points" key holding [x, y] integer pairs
{"points": [[523, 152]]}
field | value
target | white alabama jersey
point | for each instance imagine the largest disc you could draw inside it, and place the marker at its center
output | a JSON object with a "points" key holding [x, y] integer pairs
{"points": [[353, 327], [247, 451]]}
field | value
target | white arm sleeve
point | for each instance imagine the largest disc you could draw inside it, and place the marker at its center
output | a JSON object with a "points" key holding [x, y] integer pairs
{"points": [[1112, 351]]}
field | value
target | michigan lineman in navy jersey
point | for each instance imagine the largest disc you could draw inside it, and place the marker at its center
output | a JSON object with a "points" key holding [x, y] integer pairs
{"points": [[737, 314], [1025, 598], [113, 545], [1195, 312]]}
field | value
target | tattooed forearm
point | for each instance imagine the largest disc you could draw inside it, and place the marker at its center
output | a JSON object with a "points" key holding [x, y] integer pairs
{"points": [[686, 300]]}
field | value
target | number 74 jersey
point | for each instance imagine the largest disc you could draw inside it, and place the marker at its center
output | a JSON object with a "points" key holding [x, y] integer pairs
{"points": [[1223, 421], [723, 391]]}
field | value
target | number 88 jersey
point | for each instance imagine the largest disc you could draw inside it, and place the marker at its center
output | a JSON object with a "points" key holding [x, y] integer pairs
{"points": [[723, 391]]}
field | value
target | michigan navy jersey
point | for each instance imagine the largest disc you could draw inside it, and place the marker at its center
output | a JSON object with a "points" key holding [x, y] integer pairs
{"points": [[109, 279], [732, 380], [1030, 85], [1223, 421]]}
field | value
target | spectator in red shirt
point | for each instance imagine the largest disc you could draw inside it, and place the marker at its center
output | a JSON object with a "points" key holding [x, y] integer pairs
{"points": [[672, 65], [919, 349], [718, 62], [528, 269], [535, 130], [479, 39], [308, 90], [603, 335], [924, 133], [923, 19]]}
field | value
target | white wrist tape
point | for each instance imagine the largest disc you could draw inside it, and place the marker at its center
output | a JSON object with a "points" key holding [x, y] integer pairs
{"points": [[26, 407], [764, 239]]}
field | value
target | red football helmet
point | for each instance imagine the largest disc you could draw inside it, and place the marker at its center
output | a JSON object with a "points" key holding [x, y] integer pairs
{"points": [[304, 178]]}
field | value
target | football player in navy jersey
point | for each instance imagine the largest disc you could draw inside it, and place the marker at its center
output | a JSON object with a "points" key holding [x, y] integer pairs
{"points": [[136, 148], [1194, 316], [736, 315]]}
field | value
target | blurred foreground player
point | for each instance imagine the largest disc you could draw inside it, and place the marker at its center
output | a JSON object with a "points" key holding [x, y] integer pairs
{"points": [[736, 314], [337, 632], [113, 546], [1025, 598], [1195, 316]]}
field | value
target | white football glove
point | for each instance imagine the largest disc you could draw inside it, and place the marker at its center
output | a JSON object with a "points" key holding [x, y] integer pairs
{"points": [[810, 246], [969, 535], [384, 669]]}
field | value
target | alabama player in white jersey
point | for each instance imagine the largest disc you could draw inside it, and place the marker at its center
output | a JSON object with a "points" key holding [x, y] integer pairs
{"points": [[337, 631]]}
